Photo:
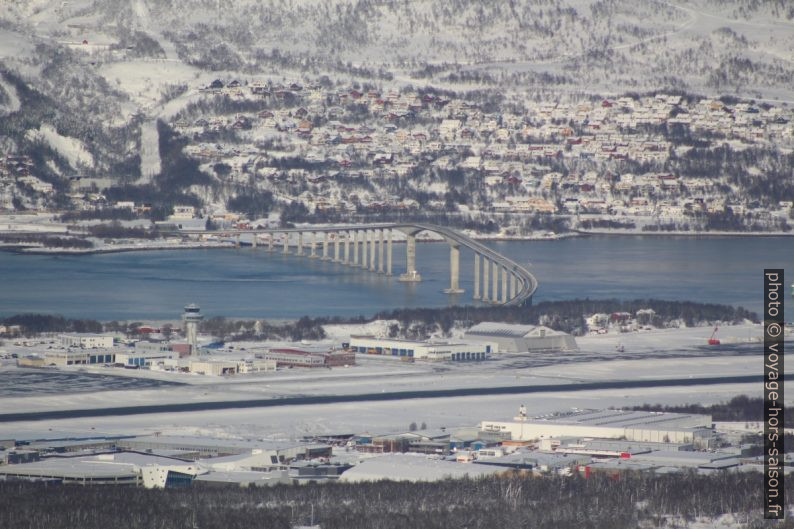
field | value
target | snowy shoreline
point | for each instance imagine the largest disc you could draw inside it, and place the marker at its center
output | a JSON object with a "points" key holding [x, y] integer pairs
{"points": [[635, 233], [34, 249], [43, 250]]}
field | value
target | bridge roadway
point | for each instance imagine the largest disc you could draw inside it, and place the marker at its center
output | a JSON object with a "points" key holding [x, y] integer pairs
{"points": [[497, 279]]}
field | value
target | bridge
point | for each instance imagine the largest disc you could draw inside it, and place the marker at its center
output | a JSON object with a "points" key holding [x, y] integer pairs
{"points": [[497, 279]]}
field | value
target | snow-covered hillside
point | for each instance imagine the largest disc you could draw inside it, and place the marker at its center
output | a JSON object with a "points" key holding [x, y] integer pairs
{"points": [[102, 72]]}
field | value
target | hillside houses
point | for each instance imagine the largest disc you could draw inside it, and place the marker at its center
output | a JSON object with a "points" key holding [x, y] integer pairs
{"points": [[548, 158]]}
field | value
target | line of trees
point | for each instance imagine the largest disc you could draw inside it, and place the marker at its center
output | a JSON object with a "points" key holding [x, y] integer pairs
{"points": [[629, 500], [46, 241], [566, 316], [739, 408], [420, 323], [304, 329], [115, 230], [33, 324], [99, 214]]}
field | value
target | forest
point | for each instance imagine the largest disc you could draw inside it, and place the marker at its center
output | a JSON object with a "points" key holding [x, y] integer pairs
{"points": [[628, 500]]}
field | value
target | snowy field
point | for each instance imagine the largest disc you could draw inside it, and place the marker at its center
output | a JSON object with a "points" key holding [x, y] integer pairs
{"points": [[289, 422]]}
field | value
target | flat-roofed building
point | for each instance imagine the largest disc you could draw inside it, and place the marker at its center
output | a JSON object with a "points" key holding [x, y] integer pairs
{"points": [[244, 478], [120, 468], [434, 351], [405, 467], [255, 366], [513, 338], [639, 426], [214, 367], [535, 460], [146, 353], [87, 341], [670, 458], [209, 447], [615, 447], [73, 357]]}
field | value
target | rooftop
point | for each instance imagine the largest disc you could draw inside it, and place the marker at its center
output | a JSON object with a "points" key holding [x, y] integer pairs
{"points": [[208, 442], [404, 467], [107, 466], [510, 330], [624, 418]]}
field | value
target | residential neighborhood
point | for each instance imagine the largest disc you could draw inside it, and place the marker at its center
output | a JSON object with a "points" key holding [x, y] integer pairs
{"points": [[650, 163]]}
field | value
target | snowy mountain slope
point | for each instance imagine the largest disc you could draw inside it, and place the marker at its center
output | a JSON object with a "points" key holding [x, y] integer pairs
{"points": [[709, 45]]}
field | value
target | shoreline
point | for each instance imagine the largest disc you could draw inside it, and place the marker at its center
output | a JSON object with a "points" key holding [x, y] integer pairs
{"points": [[39, 250], [23, 249], [685, 233]]}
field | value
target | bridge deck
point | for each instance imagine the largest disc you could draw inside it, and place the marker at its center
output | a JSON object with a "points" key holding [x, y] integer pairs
{"points": [[527, 281]]}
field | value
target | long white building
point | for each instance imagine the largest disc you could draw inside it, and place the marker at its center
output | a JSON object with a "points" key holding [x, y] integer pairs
{"points": [[638, 426], [458, 352], [75, 357], [87, 341]]}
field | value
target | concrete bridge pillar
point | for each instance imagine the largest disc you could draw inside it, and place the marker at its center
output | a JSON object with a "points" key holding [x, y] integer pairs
{"points": [[346, 259], [372, 244], [512, 286], [410, 275], [486, 267], [380, 251], [325, 246], [286, 243], [253, 240], [364, 249], [313, 246], [454, 270], [504, 284], [389, 241], [270, 242], [476, 276], [299, 249], [356, 240], [237, 241], [495, 286], [336, 246]]}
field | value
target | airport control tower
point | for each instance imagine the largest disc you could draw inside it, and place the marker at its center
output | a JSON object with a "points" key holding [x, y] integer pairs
{"points": [[192, 317]]}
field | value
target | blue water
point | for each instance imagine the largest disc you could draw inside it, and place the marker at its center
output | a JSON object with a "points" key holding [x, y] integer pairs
{"points": [[254, 283]]}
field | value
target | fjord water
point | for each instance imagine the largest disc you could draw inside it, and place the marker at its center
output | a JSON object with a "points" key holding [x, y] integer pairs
{"points": [[155, 285]]}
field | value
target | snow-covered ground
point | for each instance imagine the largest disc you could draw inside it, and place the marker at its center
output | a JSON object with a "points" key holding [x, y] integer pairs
{"points": [[73, 150], [30, 222], [374, 375], [12, 103], [294, 421]]}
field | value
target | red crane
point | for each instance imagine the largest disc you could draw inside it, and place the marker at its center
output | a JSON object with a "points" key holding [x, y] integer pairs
{"points": [[712, 340]]}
